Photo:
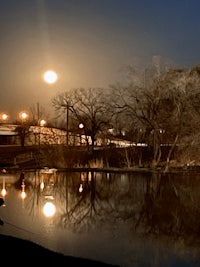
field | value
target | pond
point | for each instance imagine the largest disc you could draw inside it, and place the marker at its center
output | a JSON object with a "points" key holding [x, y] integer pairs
{"points": [[128, 219]]}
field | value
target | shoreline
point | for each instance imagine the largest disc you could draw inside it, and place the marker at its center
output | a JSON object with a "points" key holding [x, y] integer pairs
{"points": [[35, 253], [101, 169]]}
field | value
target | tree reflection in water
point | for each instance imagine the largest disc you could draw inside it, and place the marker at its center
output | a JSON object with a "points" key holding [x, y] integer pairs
{"points": [[150, 204], [171, 206], [156, 203]]}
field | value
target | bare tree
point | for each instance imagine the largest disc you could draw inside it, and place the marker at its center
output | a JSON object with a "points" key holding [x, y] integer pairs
{"points": [[158, 111], [37, 113], [23, 131], [87, 106]]}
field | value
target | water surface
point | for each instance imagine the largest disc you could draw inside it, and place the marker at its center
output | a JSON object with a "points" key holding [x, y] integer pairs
{"points": [[128, 219]]}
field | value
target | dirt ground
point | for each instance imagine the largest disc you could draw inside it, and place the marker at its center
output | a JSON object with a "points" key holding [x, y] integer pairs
{"points": [[15, 251]]}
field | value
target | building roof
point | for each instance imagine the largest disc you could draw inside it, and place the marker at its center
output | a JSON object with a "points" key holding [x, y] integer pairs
{"points": [[7, 130]]}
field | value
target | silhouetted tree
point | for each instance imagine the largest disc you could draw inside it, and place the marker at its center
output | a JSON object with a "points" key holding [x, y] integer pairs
{"points": [[87, 106], [23, 131], [165, 112]]}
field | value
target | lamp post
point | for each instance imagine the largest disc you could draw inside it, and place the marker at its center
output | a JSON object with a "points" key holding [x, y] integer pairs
{"points": [[81, 126], [68, 106], [41, 124], [4, 117], [67, 124], [22, 130], [23, 116]]}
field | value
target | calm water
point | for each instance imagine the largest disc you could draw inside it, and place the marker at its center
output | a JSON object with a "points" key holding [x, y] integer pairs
{"points": [[129, 219]]}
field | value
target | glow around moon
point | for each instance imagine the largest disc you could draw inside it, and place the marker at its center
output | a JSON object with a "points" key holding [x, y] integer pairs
{"points": [[50, 76]]}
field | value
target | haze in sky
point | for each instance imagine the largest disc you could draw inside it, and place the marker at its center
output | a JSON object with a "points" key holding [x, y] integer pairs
{"points": [[88, 42]]}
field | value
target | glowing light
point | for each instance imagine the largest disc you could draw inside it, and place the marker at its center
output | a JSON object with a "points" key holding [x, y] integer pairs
{"points": [[81, 126], [23, 194], [42, 122], [23, 115], [4, 116], [3, 192], [42, 186], [80, 188], [49, 209], [50, 76]]}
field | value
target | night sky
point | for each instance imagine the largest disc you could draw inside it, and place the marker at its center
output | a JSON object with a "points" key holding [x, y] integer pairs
{"points": [[88, 42]]}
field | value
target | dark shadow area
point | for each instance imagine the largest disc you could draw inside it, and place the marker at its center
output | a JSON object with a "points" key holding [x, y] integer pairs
{"points": [[23, 252]]}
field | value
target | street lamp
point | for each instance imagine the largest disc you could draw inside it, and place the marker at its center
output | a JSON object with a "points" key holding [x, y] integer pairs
{"points": [[81, 126], [67, 123], [23, 116], [41, 124], [4, 117], [23, 130]]}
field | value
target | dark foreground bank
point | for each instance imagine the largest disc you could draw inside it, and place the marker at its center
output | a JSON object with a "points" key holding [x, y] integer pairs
{"points": [[20, 252]]}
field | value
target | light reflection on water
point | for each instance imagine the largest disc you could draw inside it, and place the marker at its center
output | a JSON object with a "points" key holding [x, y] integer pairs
{"points": [[128, 219]]}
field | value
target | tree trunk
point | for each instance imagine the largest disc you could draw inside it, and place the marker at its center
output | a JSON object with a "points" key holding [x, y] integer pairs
{"points": [[170, 153]]}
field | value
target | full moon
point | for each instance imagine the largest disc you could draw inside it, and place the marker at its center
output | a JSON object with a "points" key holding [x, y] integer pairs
{"points": [[50, 76]]}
